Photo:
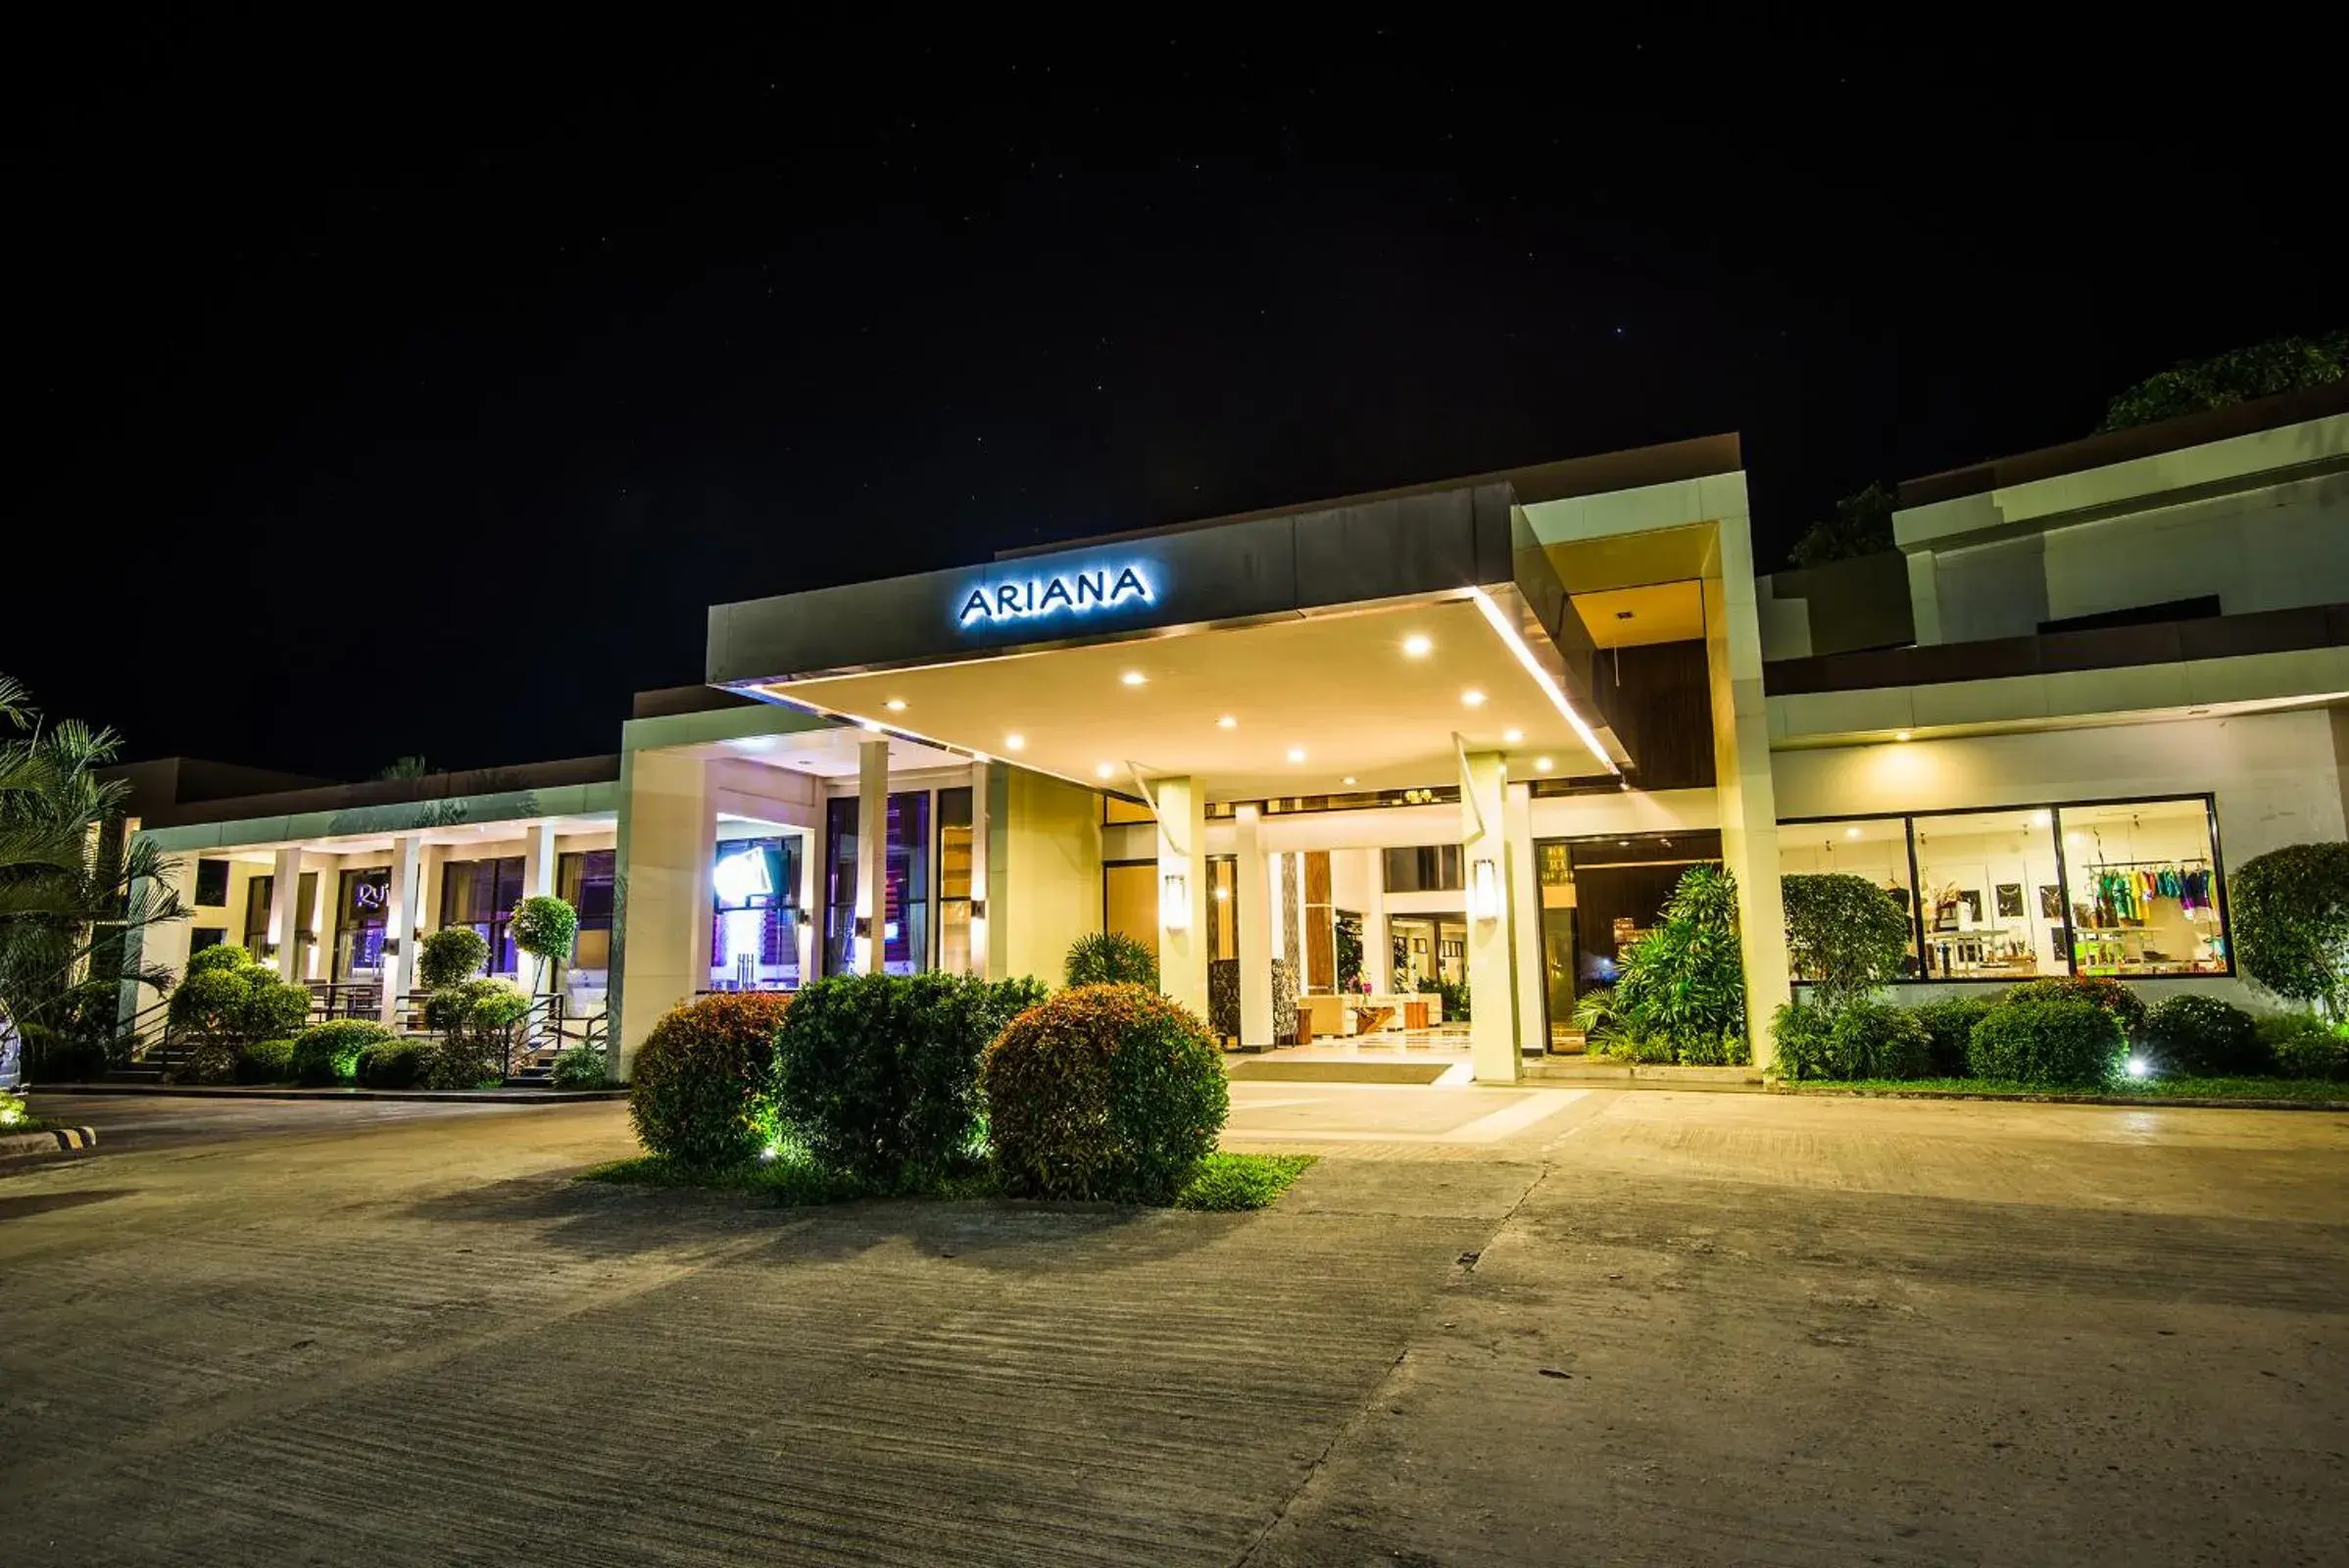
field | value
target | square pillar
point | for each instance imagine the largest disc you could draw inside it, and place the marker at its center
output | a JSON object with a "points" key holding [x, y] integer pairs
{"points": [[1181, 809], [1251, 911], [1743, 788], [661, 928], [1378, 945], [538, 860], [981, 960], [1525, 923], [287, 918], [810, 932], [162, 944], [872, 852], [401, 923], [1492, 938]]}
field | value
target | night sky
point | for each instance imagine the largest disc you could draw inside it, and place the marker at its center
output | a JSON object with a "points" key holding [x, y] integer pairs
{"points": [[417, 393]]}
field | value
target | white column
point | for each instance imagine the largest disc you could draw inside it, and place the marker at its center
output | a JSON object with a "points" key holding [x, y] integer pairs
{"points": [[1485, 861], [1252, 907], [810, 932], [400, 922], [286, 915], [162, 944], [1525, 920], [1378, 945], [1181, 806], [538, 860], [661, 936], [1743, 783], [979, 964], [872, 851]]}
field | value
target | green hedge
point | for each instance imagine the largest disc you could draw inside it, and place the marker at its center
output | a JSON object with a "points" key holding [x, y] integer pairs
{"points": [[580, 1066], [877, 1075], [1948, 1027], [701, 1092], [266, 1061], [327, 1054], [392, 1064], [2126, 1007], [2202, 1037], [2301, 1044], [2039, 1036], [1858, 1039], [1104, 1092]]}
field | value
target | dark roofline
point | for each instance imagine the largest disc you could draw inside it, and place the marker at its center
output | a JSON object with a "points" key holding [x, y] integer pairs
{"points": [[2120, 445], [667, 702], [393, 791], [1698, 457]]}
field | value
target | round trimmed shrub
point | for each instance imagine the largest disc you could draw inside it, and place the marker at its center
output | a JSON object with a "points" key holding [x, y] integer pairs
{"points": [[878, 1075], [1845, 934], [2126, 1005], [701, 1085], [2204, 1038], [479, 1021], [1104, 1092], [274, 1009], [219, 958], [450, 955], [2300, 1045], [1948, 1026], [2290, 911], [2062, 1042], [266, 1061], [1111, 958], [545, 927], [327, 1054], [392, 1063]]}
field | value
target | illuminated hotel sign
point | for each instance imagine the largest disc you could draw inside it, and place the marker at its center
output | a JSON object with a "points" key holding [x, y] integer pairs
{"points": [[1065, 593]]}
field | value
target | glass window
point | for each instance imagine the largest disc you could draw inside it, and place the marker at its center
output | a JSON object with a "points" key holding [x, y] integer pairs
{"points": [[902, 925], [259, 891], [1980, 873], [1116, 811], [1424, 868], [364, 902], [482, 893], [212, 883], [1130, 900], [2144, 889], [1875, 848], [1223, 908], [754, 920], [585, 879], [955, 891]]}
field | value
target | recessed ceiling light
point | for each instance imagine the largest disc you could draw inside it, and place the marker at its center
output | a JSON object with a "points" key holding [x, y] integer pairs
{"points": [[1542, 765], [1900, 734], [1510, 737], [1349, 779], [1015, 743], [1473, 697], [895, 705], [1297, 753], [873, 724], [1134, 678], [1227, 723], [1417, 645], [1104, 770], [1851, 832]]}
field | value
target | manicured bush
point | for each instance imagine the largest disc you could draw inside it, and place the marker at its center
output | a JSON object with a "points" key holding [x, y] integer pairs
{"points": [[1104, 1092], [878, 1075], [545, 927], [392, 1063], [450, 955], [701, 1092], [580, 1066], [2290, 911], [2126, 1005], [266, 1061], [2062, 1042], [218, 959], [1112, 958], [327, 1054], [1684, 983], [480, 1022], [2301, 1044], [225, 994], [1844, 934], [1861, 1039], [1948, 1026], [2203, 1036]]}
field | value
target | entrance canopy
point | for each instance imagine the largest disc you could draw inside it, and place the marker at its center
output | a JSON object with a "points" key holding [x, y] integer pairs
{"points": [[1361, 645]]}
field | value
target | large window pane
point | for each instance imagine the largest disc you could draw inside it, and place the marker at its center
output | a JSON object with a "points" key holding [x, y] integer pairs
{"points": [[755, 898], [1876, 848], [2144, 888], [1987, 893], [1130, 900], [953, 881]]}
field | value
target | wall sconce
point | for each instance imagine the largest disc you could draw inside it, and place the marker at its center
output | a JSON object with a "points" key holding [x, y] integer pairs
{"points": [[978, 908], [864, 928], [804, 916], [1484, 891], [1174, 904]]}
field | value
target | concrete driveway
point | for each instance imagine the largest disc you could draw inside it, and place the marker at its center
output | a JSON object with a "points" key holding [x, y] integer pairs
{"points": [[1639, 1327]]}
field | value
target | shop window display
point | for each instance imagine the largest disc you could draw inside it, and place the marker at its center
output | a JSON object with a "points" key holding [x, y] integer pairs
{"points": [[1971, 870], [2144, 889], [1876, 849]]}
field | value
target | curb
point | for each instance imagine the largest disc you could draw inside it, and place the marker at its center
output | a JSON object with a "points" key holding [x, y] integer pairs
{"points": [[473, 1097], [2130, 1102], [47, 1141]]}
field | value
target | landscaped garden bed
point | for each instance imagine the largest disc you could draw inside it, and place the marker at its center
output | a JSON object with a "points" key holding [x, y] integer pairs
{"points": [[936, 1085]]}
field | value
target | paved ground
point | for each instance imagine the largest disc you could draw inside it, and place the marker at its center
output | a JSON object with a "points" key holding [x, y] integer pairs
{"points": [[1620, 1327]]}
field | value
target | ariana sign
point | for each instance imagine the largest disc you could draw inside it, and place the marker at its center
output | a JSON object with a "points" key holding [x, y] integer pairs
{"points": [[1069, 593]]}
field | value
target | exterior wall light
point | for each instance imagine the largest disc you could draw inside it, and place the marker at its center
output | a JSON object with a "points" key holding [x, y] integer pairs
{"points": [[1174, 902], [978, 908], [1484, 891]]}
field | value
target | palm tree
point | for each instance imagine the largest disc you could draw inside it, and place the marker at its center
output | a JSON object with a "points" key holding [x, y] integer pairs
{"points": [[71, 889]]}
